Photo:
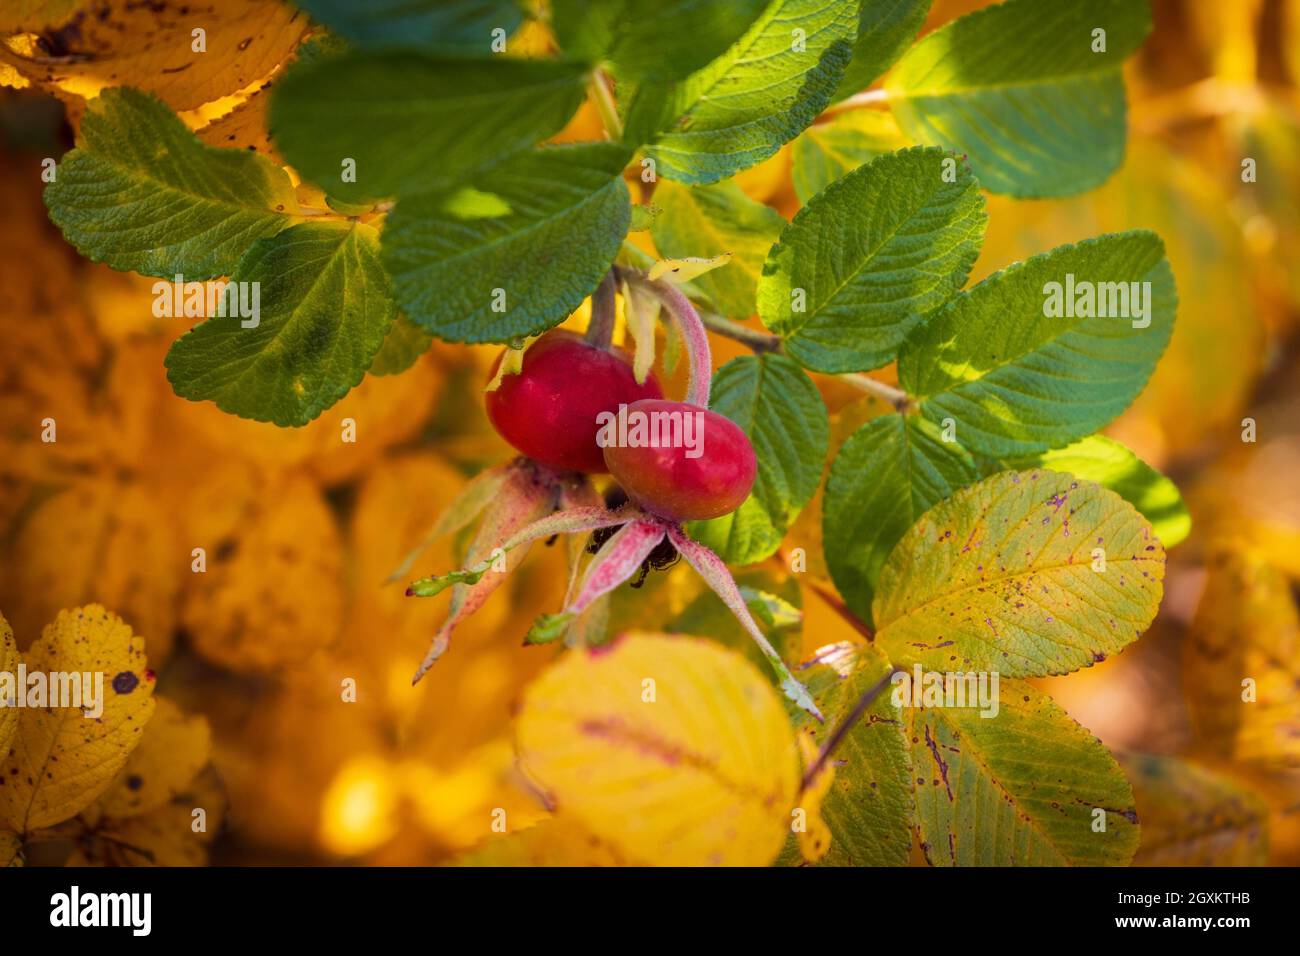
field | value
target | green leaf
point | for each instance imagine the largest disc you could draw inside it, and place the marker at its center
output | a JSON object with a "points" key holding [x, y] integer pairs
{"points": [[403, 345], [826, 151], [1018, 88], [892, 470], [869, 806], [708, 221], [569, 211], [1017, 380], [864, 261], [759, 94], [781, 411], [885, 28], [465, 24], [142, 193], [1112, 465], [651, 40], [1004, 576], [415, 122], [325, 308], [1018, 789]]}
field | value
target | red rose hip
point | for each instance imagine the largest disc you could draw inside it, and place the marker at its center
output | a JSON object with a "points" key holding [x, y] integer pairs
{"points": [[548, 410], [680, 461]]}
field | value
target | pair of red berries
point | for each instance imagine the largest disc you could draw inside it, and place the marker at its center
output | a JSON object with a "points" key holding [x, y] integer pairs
{"points": [[551, 411]]}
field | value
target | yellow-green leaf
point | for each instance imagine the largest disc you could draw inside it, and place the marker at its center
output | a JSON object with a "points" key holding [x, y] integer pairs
{"points": [[173, 750], [1028, 787], [61, 760], [673, 750], [1006, 576]]}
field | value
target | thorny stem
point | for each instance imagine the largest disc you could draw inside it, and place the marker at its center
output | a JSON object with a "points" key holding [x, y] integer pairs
{"points": [[603, 93], [600, 331], [840, 732]]}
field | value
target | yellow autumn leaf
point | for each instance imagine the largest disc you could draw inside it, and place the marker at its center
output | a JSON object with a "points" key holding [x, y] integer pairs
{"points": [[177, 833], [61, 758], [33, 16], [174, 748], [244, 127], [9, 661], [556, 841], [272, 594], [688, 268], [674, 750], [814, 835], [1241, 662], [11, 849], [186, 55]]}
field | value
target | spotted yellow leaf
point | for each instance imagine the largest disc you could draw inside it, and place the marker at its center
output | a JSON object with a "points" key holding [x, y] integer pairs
{"points": [[673, 750], [185, 54], [9, 661], [63, 758], [814, 835], [177, 833], [11, 849], [174, 748], [1026, 573]]}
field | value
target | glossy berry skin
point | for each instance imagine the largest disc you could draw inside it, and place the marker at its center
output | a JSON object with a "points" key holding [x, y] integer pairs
{"points": [[669, 483], [548, 410]]}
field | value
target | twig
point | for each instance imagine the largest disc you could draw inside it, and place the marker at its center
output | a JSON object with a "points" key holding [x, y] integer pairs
{"points": [[756, 340], [840, 732], [600, 331], [895, 396]]}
